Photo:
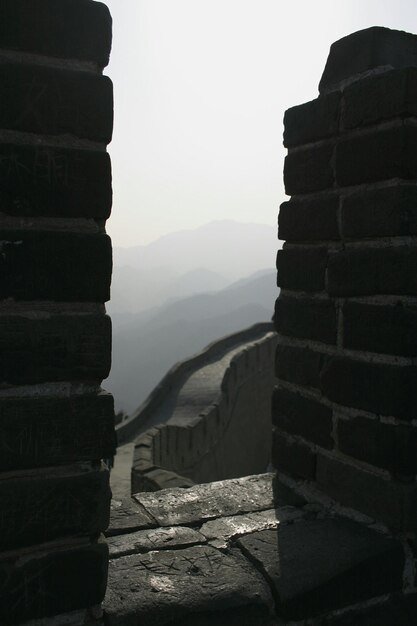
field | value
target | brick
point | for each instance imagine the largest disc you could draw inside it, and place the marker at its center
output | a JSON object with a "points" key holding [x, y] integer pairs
{"points": [[387, 212], [382, 389], [41, 505], [62, 347], [309, 219], [46, 431], [302, 269], [384, 329], [50, 28], [377, 155], [292, 457], [306, 319], [49, 101], [387, 95], [388, 446], [54, 182], [52, 581], [359, 272], [309, 169], [392, 503], [365, 50], [298, 415], [318, 119], [301, 366], [55, 266]]}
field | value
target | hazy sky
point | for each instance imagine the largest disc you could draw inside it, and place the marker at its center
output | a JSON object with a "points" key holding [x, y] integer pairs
{"points": [[200, 91]]}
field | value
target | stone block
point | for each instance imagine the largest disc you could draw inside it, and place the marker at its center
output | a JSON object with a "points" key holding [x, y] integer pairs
{"points": [[368, 49], [306, 578], [57, 266], [311, 219], [318, 119], [387, 212], [384, 329], [388, 446], [143, 541], [377, 155], [381, 97], [292, 456], [54, 182], [301, 366], [370, 271], [45, 431], [127, 516], [58, 348], [52, 580], [302, 269], [310, 169], [299, 415], [382, 389], [50, 101], [49, 28], [41, 505], [306, 318], [399, 609]]}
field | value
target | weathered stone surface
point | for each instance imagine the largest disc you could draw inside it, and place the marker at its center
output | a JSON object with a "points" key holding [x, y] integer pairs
{"points": [[48, 181], [302, 269], [292, 456], [299, 561], [48, 101], [55, 266], [306, 318], [317, 119], [53, 29], [154, 539], [52, 580], [126, 516], [309, 170], [399, 609], [174, 507], [311, 219], [41, 505], [56, 348], [365, 50], [162, 587], [46, 431], [299, 365]]}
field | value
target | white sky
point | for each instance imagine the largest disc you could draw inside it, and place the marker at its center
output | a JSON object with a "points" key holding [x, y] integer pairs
{"points": [[200, 92]]}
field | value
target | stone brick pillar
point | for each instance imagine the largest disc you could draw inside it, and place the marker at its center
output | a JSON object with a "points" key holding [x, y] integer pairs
{"points": [[345, 408], [56, 423]]}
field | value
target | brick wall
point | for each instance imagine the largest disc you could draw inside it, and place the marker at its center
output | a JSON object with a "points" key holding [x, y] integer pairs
{"points": [[56, 422], [345, 407]]}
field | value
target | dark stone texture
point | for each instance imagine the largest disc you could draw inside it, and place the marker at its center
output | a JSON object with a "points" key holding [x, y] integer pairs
{"points": [[398, 610], [391, 447], [142, 541], [54, 182], [55, 266], [387, 212], [365, 50], [292, 457], [58, 348], [301, 366], [385, 329], [309, 219], [74, 29], [393, 503], [302, 269], [377, 155], [249, 615], [41, 505], [306, 319], [45, 431], [298, 415], [318, 119], [48, 101], [127, 516], [360, 272], [382, 389], [309, 169], [319, 565], [387, 95], [50, 582]]}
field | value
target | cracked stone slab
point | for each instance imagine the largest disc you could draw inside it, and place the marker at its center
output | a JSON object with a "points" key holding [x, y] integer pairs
{"points": [[220, 531], [127, 516], [319, 565], [153, 539], [174, 507], [165, 587]]}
